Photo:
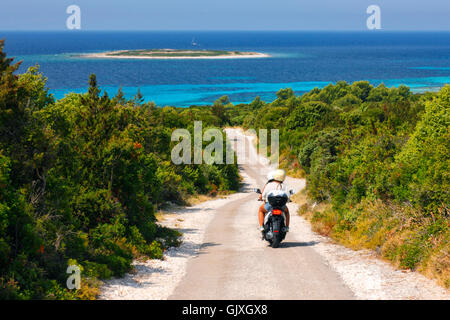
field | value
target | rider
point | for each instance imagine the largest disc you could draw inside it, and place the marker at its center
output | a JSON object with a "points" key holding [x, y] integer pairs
{"points": [[275, 182]]}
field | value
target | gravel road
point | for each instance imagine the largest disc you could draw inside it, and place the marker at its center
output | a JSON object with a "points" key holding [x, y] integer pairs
{"points": [[223, 257]]}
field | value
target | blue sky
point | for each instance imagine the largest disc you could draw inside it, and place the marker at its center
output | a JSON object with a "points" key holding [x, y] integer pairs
{"points": [[225, 14]]}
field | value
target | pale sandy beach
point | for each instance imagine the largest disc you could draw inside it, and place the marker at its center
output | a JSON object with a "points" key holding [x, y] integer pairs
{"points": [[111, 55]]}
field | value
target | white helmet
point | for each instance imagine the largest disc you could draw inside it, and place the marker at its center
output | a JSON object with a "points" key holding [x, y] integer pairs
{"points": [[270, 176], [279, 175]]}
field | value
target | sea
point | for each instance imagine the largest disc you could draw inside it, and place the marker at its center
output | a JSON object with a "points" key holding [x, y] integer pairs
{"points": [[298, 60]]}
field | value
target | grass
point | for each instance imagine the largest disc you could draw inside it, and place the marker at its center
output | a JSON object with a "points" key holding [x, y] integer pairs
{"points": [[398, 234]]}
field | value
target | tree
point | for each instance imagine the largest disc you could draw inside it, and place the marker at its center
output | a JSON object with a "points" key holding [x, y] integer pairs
{"points": [[424, 163], [218, 109]]}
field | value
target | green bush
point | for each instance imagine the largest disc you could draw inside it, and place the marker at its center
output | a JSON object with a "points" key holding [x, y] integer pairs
{"points": [[366, 147], [80, 179]]}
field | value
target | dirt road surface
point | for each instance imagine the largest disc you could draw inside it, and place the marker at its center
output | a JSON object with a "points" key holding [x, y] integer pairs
{"points": [[223, 256]]}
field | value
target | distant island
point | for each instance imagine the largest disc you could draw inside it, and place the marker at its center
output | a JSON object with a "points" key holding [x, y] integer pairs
{"points": [[174, 54]]}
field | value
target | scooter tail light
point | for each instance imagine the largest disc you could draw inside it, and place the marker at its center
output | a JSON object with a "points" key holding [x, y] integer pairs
{"points": [[277, 212]]}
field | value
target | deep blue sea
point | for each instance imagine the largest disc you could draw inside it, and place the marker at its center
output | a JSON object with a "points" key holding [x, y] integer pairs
{"points": [[300, 60]]}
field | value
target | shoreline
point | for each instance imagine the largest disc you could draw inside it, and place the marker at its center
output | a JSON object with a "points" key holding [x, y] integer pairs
{"points": [[110, 55]]}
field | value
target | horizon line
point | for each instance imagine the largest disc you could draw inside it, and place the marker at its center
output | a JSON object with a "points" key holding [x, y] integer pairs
{"points": [[222, 30]]}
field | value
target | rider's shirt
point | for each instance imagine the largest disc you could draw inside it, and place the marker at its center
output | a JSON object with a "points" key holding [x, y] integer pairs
{"points": [[274, 185]]}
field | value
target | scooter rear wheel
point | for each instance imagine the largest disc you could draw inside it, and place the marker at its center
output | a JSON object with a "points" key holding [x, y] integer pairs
{"points": [[275, 243]]}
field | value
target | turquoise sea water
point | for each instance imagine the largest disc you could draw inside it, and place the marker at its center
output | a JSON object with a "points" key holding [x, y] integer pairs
{"points": [[300, 60]]}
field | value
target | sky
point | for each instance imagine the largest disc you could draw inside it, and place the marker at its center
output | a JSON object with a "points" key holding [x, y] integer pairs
{"points": [[225, 14]]}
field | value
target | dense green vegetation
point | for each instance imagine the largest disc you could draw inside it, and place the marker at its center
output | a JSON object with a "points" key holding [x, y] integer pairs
{"points": [[376, 162], [80, 180]]}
